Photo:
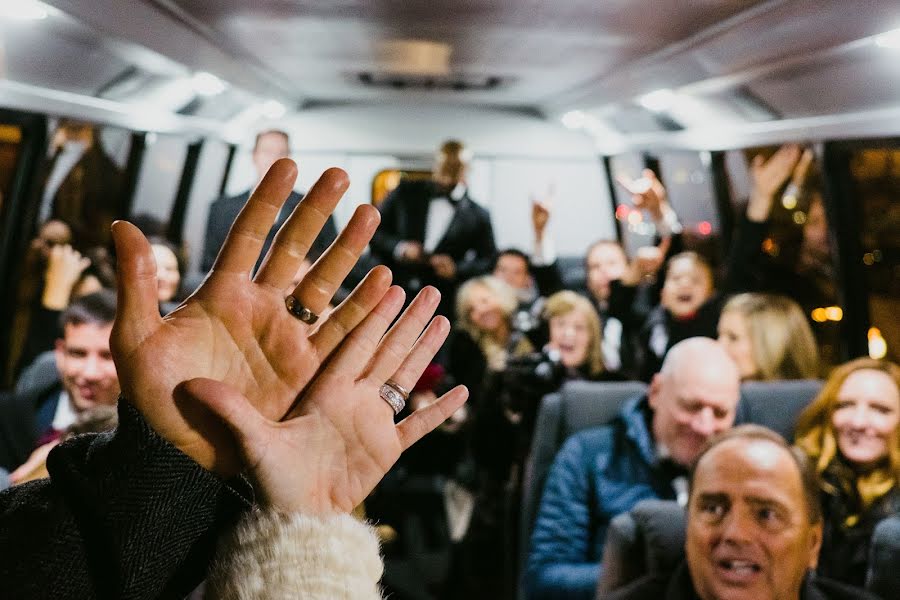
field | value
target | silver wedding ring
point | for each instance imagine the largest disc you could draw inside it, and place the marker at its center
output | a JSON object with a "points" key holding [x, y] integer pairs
{"points": [[394, 394], [298, 310]]}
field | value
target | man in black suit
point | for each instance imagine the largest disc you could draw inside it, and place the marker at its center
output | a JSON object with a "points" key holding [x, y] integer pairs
{"points": [[87, 375], [270, 145], [433, 233]]}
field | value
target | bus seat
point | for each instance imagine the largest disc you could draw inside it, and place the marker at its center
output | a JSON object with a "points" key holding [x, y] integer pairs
{"points": [[39, 375], [883, 578], [646, 540], [578, 405], [776, 404]]}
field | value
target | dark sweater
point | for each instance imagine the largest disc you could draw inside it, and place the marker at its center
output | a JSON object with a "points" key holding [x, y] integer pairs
{"points": [[124, 515]]}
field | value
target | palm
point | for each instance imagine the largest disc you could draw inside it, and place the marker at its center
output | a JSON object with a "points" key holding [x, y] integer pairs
{"points": [[339, 441], [229, 331]]}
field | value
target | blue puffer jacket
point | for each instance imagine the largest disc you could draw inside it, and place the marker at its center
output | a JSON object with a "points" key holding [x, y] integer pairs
{"points": [[597, 474]]}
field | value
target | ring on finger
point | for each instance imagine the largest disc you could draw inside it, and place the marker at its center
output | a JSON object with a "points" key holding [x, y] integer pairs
{"points": [[299, 311], [395, 395]]}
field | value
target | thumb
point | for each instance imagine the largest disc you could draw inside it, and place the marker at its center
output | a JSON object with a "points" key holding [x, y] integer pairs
{"points": [[757, 161], [250, 428], [138, 307]]}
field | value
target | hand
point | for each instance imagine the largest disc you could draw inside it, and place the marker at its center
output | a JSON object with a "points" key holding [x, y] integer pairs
{"points": [[234, 329], [647, 194], [769, 176], [412, 251], [444, 266], [540, 215], [36, 465], [336, 445], [64, 266], [648, 260]]}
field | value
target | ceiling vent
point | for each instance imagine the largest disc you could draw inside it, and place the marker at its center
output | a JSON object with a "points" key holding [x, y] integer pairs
{"points": [[455, 82]]}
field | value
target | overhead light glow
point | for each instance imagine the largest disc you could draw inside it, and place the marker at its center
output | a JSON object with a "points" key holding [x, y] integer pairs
{"points": [[658, 101], [574, 119], [272, 109], [24, 10], [877, 344], [889, 39], [207, 84]]}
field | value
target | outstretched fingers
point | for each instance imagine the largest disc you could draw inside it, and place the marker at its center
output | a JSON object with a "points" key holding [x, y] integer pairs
{"points": [[248, 233], [414, 427], [300, 230], [137, 314], [350, 313]]}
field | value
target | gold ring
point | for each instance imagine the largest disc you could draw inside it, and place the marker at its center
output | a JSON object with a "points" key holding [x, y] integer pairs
{"points": [[298, 310]]}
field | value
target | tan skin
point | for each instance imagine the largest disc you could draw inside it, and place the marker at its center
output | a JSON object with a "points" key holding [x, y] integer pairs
{"points": [[749, 534], [235, 330]]}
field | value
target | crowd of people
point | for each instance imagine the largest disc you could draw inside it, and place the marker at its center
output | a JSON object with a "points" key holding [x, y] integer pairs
{"points": [[225, 386]]}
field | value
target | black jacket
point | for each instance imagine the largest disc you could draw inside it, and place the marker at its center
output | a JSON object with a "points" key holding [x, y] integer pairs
{"points": [[124, 515], [469, 239]]}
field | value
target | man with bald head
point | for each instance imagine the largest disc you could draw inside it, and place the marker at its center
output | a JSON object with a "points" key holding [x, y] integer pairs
{"points": [[644, 453]]}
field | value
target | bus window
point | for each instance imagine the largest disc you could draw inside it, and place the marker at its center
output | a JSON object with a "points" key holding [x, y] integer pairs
{"points": [[81, 181], [10, 141], [637, 230], [385, 181], [160, 175], [688, 182], [876, 176], [790, 253]]}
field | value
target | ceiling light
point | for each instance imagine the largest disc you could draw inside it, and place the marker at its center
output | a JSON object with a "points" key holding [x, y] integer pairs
{"points": [[272, 109], [657, 101], [889, 39], [24, 10], [207, 84], [574, 119]]}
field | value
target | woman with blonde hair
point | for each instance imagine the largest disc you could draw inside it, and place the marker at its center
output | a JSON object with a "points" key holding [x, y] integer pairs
{"points": [[851, 432], [576, 334], [768, 337]]}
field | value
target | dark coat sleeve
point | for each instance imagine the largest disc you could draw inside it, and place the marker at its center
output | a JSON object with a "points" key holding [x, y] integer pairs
{"points": [[123, 515], [482, 242], [393, 228]]}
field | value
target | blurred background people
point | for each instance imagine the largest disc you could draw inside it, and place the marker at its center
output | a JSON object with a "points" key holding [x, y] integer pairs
{"points": [[768, 337], [851, 432], [432, 232]]}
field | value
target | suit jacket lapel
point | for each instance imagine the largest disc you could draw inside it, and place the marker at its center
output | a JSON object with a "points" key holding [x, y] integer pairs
{"points": [[455, 228]]}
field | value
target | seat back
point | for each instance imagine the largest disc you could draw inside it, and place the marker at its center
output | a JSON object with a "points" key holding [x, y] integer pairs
{"points": [[578, 405], [776, 404], [646, 540], [39, 375], [883, 578]]}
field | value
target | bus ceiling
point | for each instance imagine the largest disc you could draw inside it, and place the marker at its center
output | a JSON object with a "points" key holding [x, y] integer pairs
{"points": [[628, 75]]}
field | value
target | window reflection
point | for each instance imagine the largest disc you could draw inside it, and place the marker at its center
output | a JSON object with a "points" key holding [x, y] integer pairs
{"points": [[876, 176]]}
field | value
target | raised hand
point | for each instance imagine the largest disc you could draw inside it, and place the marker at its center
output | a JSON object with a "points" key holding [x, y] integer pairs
{"points": [[540, 216], [769, 176], [64, 266], [647, 193], [234, 329], [340, 440]]}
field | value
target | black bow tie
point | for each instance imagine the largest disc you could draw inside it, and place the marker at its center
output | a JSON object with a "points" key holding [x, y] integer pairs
{"points": [[670, 469]]}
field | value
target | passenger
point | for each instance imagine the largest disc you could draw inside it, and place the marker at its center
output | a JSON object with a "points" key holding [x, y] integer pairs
{"points": [[689, 307], [768, 337], [88, 378], [851, 432], [81, 184], [270, 145], [168, 273], [433, 233], [164, 479], [613, 283], [800, 269], [754, 527], [644, 453]]}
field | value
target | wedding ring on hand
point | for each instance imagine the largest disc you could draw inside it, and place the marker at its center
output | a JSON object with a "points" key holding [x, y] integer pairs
{"points": [[394, 394], [298, 310]]}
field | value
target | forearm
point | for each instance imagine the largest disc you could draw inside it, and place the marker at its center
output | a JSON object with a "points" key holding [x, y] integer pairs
{"points": [[124, 515], [270, 555]]}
